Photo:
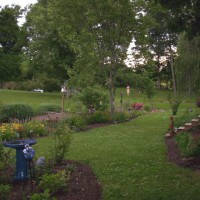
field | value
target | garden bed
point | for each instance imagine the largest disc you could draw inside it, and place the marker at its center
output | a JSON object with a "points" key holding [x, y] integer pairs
{"points": [[83, 185], [174, 154]]}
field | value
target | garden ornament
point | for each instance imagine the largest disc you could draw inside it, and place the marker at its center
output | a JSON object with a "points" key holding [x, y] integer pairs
{"points": [[28, 152], [40, 162]]}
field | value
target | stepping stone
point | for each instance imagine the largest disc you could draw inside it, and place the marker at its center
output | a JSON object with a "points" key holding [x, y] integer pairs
{"points": [[181, 128], [188, 124], [195, 120], [168, 135]]}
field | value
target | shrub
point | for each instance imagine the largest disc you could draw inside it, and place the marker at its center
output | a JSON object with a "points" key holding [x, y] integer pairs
{"points": [[35, 128], [54, 182], [5, 158], [62, 140], [98, 117], [183, 141], [174, 103], [138, 106], [4, 191], [186, 117], [44, 108], [188, 146], [42, 196], [20, 112], [75, 122], [9, 131], [120, 117], [94, 98]]}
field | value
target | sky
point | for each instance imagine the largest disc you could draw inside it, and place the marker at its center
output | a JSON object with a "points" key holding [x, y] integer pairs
{"points": [[22, 3]]}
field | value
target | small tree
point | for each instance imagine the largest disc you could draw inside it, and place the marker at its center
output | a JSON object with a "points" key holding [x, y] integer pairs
{"points": [[174, 103]]}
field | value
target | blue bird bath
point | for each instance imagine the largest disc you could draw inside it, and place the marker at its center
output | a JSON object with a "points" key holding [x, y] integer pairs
{"points": [[21, 172]]}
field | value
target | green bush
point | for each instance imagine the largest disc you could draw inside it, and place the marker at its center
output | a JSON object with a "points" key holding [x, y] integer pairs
{"points": [[94, 98], [174, 103], [75, 122], [42, 196], [35, 128], [20, 112], [185, 118], [120, 116], [54, 182], [187, 145], [44, 108], [62, 140], [98, 117], [4, 191]]}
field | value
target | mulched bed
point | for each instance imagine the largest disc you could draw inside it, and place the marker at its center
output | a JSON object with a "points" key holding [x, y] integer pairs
{"points": [[174, 156], [83, 185]]}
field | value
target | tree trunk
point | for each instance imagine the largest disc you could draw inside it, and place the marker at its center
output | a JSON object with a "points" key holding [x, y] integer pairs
{"points": [[112, 94], [173, 75]]}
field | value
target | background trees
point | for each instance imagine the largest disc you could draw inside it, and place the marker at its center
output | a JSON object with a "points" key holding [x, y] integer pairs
{"points": [[11, 43], [186, 21], [49, 54], [101, 32]]}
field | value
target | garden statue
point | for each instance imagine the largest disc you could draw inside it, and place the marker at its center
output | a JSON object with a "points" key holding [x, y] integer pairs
{"points": [[28, 152], [40, 162]]}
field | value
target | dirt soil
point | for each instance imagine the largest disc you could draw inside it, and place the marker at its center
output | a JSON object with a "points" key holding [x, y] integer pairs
{"points": [[174, 156], [83, 185]]}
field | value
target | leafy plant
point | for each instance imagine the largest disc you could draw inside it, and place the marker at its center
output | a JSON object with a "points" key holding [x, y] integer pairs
{"points": [[9, 131], [62, 140], [75, 121], [94, 98], [16, 112], [120, 117], [4, 191], [174, 103], [35, 128], [188, 145], [54, 182], [42, 196], [98, 117], [185, 117], [183, 141], [44, 108], [138, 106]]}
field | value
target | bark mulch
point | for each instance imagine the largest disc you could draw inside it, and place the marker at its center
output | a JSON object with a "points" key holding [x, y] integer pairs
{"points": [[174, 155]]}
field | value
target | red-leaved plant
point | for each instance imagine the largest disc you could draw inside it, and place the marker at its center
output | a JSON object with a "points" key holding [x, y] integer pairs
{"points": [[138, 106]]}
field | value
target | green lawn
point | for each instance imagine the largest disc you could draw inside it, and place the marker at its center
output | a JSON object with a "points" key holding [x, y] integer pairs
{"points": [[128, 159]]}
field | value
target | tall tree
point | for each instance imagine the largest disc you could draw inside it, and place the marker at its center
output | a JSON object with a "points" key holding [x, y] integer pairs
{"points": [[188, 64], [101, 31], [186, 16], [157, 41], [10, 43], [48, 52]]}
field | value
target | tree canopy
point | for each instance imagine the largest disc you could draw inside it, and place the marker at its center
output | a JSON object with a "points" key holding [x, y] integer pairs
{"points": [[11, 43]]}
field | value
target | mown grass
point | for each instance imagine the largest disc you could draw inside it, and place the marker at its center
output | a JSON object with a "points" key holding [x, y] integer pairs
{"points": [[130, 159]]}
